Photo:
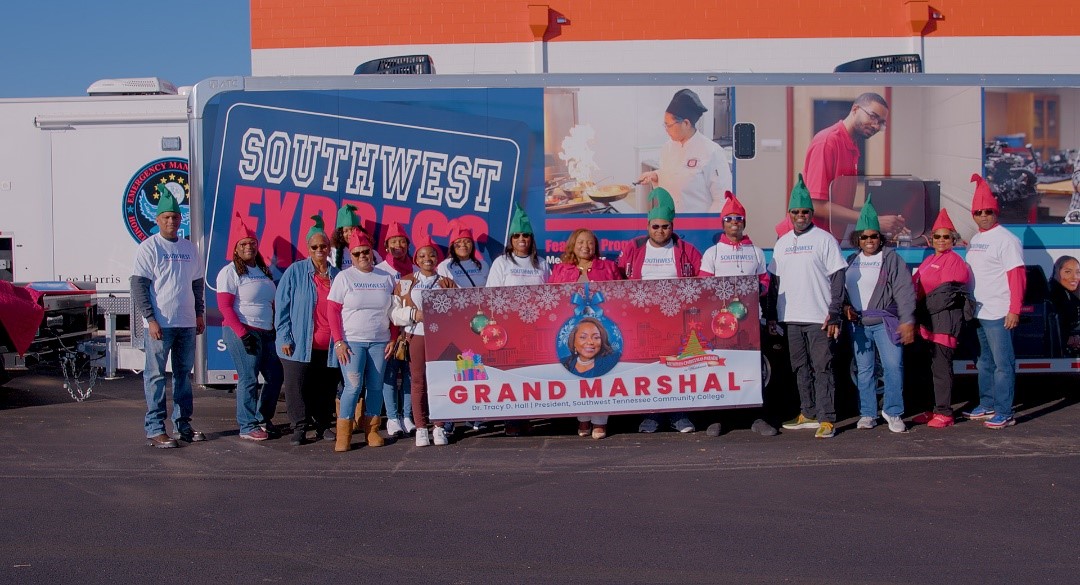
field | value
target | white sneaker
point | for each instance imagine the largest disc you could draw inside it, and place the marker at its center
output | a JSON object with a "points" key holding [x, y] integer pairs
{"points": [[410, 428], [896, 424], [423, 437], [866, 422], [440, 436], [394, 427]]}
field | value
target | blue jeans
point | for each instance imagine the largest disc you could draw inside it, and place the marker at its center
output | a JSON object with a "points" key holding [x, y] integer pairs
{"points": [[365, 370], [394, 399], [252, 407], [179, 342], [868, 340], [997, 366]]}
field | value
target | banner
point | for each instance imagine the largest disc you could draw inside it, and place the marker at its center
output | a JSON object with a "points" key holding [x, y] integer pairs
{"points": [[592, 348]]}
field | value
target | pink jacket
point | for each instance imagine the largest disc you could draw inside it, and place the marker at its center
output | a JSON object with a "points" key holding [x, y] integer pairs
{"points": [[602, 269]]}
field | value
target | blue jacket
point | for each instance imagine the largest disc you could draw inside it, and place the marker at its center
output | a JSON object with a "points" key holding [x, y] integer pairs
{"points": [[294, 307]]}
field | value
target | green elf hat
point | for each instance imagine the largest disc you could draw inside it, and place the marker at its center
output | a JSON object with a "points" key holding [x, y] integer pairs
{"points": [[519, 223], [665, 206], [346, 216], [318, 228], [868, 219], [166, 201], [800, 196]]}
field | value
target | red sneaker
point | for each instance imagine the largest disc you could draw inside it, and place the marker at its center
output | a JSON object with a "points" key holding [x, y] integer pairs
{"points": [[940, 421], [922, 419]]}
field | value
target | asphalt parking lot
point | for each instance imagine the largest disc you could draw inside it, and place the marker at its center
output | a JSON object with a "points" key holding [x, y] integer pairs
{"points": [[85, 500]]}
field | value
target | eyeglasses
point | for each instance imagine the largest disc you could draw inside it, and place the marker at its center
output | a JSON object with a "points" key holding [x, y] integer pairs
{"points": [[873, 117], [366, 252], [675, 123], [657, 226], [800, 211], [319, 247], [943, 236], [734, 218], [869, 236], [516, 236], [982, 212]]}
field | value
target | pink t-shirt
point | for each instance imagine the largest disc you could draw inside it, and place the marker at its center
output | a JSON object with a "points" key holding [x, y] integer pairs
{"points": [[832, 153], [321, 334]]}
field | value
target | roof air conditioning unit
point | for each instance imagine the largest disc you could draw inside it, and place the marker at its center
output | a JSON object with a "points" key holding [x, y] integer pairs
{"points": [[406, 64], [132, 86], [885, 64]]}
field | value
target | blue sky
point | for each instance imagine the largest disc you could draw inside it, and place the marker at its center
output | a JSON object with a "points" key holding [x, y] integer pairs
{"points": [[60, 47]]}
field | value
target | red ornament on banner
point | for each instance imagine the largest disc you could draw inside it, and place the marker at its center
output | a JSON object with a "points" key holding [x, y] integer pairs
{"points": [[725, 325], [494, 336]]}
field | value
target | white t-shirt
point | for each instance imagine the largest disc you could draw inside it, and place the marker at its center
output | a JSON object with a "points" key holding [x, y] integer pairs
{"points": [[516, 272], [727, 260], [416, 294], [804, 264], [254, 293], [365, 302], [696, 174], [171, 267], [659, 262], [385, 267], [862, 277], [454, 272], [991, 254]]}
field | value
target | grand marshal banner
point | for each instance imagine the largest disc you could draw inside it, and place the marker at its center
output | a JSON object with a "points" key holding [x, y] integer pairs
{"points": [[593, 348]]}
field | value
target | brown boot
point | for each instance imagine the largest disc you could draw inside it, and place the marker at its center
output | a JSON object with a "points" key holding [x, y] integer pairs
{"points": [[371, 424], [358, 422], [344, 435]]}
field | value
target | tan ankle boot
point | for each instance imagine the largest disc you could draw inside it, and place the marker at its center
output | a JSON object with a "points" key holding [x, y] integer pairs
{"points": [[371, 424], [358, 422], [344, 435]]}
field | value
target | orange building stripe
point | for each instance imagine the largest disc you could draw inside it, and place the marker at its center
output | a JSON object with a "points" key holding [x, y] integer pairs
{"points": [[277, 24]]}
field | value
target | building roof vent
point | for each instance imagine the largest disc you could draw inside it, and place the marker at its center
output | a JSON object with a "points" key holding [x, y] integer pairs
{"points": [[407, 64], [132, 86], [911, 63]]}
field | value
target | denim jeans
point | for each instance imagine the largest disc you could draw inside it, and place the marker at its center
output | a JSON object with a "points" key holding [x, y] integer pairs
{"points": [[398, 399], [252, 407], [868, 340], [997, 366], [179, 342], [365, 370]]}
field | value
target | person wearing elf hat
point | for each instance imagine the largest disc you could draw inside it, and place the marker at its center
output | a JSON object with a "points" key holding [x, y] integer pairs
{"points": [[657, 255], [398, 400], [996, 257], [941, 289], [347, 222], [833, 153], [464, 264], [735, 255], [806, 289], [693, 168], [408, 313], [167, 290], [880, 305], [303, 339], [518, 265], [358, 310], [245, 297]]}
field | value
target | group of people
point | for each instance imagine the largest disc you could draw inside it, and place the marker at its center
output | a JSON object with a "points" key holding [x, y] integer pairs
{"points": [[342, 331]]}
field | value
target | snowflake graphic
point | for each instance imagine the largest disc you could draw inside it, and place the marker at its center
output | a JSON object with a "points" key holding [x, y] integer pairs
{"points": [[523, 296], [466, 298], [548, 298], [434, 327], [688, 289], [725, 289], [616, 290], [664, 288], [529, 313], [746, 285], [551, 316], [639, 296], [499, 300], [440, 303], [670, 306]]}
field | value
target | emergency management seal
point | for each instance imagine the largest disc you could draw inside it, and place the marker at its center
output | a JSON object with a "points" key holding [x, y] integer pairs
{"points": [[141, 196]]}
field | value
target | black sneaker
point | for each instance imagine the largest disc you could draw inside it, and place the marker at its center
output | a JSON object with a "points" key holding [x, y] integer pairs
{"points": [[190, 435], [162, 441]]}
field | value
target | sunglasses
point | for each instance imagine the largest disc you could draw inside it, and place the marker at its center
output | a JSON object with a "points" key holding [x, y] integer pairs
{"points": [[516, 236], [943, 236], [657, 226], [734, 218], [801, 211], [982, 212], [366, 252], [869, 236], [319, 247]]}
